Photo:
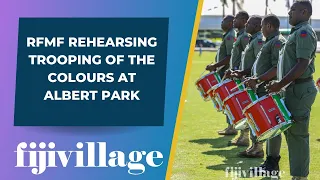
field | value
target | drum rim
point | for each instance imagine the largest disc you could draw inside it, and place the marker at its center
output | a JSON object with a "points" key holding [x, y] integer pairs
{"points": [[241, 120], [213, 88], [202, 77], [218, 109], [283, 123], [233, 94], [255, 102]]}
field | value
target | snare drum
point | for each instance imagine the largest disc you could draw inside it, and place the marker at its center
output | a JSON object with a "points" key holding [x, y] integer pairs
{"points": [[221, 91], [234, 105], [268, 117], [318, 84], [206, 82]]}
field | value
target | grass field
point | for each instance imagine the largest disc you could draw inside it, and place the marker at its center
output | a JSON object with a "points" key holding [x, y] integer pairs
{"points": [[203, 154]]}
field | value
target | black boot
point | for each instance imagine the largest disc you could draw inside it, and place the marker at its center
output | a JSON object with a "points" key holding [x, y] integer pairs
{"points": [[269, 167]]}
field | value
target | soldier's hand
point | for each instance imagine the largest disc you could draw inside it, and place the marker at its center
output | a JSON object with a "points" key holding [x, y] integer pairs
{"points": [[211, 67], [246, 79], [228, 73], [237, 74], [273, 87], [252, 83]]}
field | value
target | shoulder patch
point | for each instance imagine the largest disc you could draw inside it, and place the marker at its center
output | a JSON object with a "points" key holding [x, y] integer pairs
{"points": [[278, 44], [229, 37], [303, 34]]}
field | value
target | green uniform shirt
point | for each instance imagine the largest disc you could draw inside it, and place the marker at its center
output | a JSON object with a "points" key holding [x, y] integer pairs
{"points": [[269, 54], [238, 46], [302, 43], [249, 55], [226, 46]]}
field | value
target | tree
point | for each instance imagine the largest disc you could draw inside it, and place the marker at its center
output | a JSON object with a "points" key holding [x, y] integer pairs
{"points": [[239, 4], [267, 6], [235, 3], [234, 7], [224, 3]]}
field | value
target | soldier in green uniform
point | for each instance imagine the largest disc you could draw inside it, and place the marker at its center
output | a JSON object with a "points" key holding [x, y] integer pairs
{"points": [[264, 70], [239, 46], [295, 68], [233, 62], [222, 59], [256, 41], [242, 41], [249, 55]]}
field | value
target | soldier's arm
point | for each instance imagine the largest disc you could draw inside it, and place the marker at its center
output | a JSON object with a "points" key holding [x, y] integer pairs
{"points": [[272, 72], [229, 40], [244, 41], [245, 72], [295, 72], [223, 62], [304, 51], [256, 49]]}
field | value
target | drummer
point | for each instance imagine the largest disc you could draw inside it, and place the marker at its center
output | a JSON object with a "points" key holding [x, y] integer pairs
{"points": [[296, 66], [256, 41], [233, 62], [223, 57], [239, 22], [264, 70]]}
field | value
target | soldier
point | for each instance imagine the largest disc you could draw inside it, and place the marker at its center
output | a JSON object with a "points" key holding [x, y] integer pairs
{"points": [[242, 41], [295, 68], [265, 70], [222, 58], [256, 41], [253, 27]]}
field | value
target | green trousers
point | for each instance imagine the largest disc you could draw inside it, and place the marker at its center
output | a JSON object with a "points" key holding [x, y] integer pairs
{"points": [[299, 99]]}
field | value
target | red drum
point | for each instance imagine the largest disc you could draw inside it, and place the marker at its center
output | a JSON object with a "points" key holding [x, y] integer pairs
{"points": [[221, 91], [234, 105], [318, 84], [206, 82], [267, 117], [216, 105]]}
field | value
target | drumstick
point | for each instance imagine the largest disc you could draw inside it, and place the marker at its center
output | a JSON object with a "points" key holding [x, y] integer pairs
{"points": [[218, 69], [223, 78], [242, 83], [284, 88], [202, 73], [205, 69]]}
